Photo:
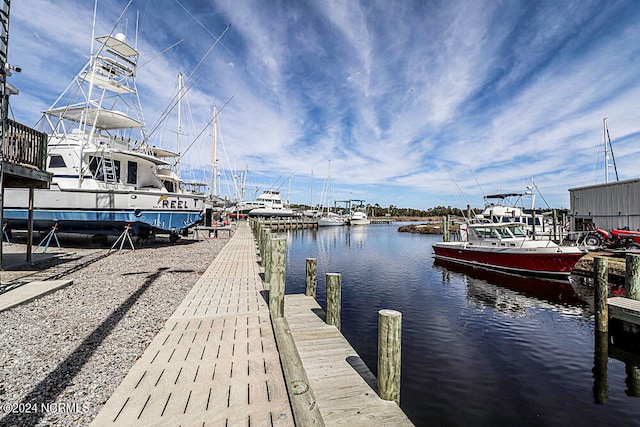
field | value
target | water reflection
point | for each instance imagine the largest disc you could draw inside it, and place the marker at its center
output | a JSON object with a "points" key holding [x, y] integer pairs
{"points": [[511, 293], [619, 345]]}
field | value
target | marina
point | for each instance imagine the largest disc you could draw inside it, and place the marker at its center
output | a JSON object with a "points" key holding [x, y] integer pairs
{"points": [[166, 289]]}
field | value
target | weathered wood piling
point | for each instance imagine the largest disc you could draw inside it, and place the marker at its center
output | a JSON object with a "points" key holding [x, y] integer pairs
{"points": [[389, 354], [334, 299], [311, 279], [278, 264], [601, 285]]}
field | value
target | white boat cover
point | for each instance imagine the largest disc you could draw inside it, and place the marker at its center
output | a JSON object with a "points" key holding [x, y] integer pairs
{"points": [[106, 119], [118, 46], [161, 152]]}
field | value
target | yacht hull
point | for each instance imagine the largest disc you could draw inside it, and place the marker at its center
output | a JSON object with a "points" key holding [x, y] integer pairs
{"points": [[103, 211]]}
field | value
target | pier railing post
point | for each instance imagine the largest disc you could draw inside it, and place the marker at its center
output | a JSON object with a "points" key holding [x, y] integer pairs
{"points": [[311, 279], [632, 276], [601, 285], [277, 276], [389, 354], [334, 297]]}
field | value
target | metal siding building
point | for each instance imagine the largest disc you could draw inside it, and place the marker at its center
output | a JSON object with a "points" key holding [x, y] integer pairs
{"points": [[607, 206]]}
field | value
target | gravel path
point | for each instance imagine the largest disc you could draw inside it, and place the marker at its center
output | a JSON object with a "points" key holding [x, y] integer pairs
{"points": [[63, 355]]}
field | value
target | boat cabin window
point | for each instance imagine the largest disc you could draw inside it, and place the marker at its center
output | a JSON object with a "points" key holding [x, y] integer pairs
{"points": [[170, 186], [503, 232], [56, 161], [483, 233], [132, 172]]}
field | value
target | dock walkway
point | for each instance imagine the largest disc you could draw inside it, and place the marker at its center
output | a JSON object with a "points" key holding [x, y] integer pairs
{"points": [[343, 386], [215, 363]]}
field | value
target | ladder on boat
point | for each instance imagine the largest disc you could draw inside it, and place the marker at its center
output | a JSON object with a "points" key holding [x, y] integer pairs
{"points": [[108, 168]]}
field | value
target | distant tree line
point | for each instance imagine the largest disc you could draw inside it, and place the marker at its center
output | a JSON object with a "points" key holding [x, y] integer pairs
{"points": [[396, 211], [378, 211]]}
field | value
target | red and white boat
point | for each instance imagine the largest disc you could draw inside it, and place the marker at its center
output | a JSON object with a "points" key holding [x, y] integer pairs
{"points": [[506, 247]]}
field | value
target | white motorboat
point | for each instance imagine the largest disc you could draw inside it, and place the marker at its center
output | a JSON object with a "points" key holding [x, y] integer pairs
{"points": [[358, 214], [268, 204], [359, 218], [105, 174]]}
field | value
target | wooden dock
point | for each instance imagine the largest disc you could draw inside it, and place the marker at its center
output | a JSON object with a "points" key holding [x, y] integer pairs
{"points": [[342, 385], [216, 361], [625, 309]]}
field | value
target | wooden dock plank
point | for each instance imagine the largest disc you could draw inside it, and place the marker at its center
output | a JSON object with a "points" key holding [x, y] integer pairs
{"points": [[625, 309], [215, 362], [339, 379]]}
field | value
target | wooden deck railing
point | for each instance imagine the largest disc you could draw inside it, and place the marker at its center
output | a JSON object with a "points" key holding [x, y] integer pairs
{"points": [[24, 145]]}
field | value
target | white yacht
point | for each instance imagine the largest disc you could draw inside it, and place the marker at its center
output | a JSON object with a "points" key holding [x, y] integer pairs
{"points": [[105, 174]]}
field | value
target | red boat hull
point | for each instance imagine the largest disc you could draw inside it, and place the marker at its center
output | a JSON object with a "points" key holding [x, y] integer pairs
{"points": [[542, 264]]}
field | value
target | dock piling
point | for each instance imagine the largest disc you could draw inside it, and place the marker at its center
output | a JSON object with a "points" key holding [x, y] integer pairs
{"points": [[311, 279], [334, 297], [267, 255], [601, 285], [632, 277], [389, 344], [277, 276]]}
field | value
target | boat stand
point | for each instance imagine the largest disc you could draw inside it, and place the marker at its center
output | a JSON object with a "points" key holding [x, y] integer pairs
{"points": [[48, 237], [4, 233], [124, 236]]}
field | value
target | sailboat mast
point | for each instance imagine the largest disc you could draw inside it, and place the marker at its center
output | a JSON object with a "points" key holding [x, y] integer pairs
{"points": [[179, 121], [212, 186], [328, 185]]}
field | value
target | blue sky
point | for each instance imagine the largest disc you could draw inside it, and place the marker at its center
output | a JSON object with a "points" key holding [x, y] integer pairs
{"points": [[401, 96]]}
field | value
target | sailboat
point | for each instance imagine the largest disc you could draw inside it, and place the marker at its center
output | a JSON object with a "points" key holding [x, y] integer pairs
{"points": [[105, 174], [328, 218]]}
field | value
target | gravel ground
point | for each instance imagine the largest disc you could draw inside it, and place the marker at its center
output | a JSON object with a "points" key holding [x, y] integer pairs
{"points": [[63, 354]]}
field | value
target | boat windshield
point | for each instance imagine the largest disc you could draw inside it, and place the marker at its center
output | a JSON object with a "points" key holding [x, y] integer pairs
{"points": [[517, 231]]}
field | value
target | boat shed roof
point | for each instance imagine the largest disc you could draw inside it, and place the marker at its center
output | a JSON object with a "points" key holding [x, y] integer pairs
{"points": [[607, 184]]}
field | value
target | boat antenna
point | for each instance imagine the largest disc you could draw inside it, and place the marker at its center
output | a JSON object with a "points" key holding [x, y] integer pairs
{"points": [[459, 191], [160, 53], [204, 128], [484, 195], [613, 158], [188, 85], [93, 26]]}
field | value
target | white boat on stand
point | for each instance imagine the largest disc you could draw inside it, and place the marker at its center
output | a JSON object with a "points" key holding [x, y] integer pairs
{"points": [[105, 174]]}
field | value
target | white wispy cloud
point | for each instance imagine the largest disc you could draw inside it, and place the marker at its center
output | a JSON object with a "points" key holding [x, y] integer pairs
{"points": [[394, 93]]}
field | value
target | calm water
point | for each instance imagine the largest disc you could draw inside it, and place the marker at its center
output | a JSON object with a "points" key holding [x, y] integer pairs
{"points": [[492, 350]]}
